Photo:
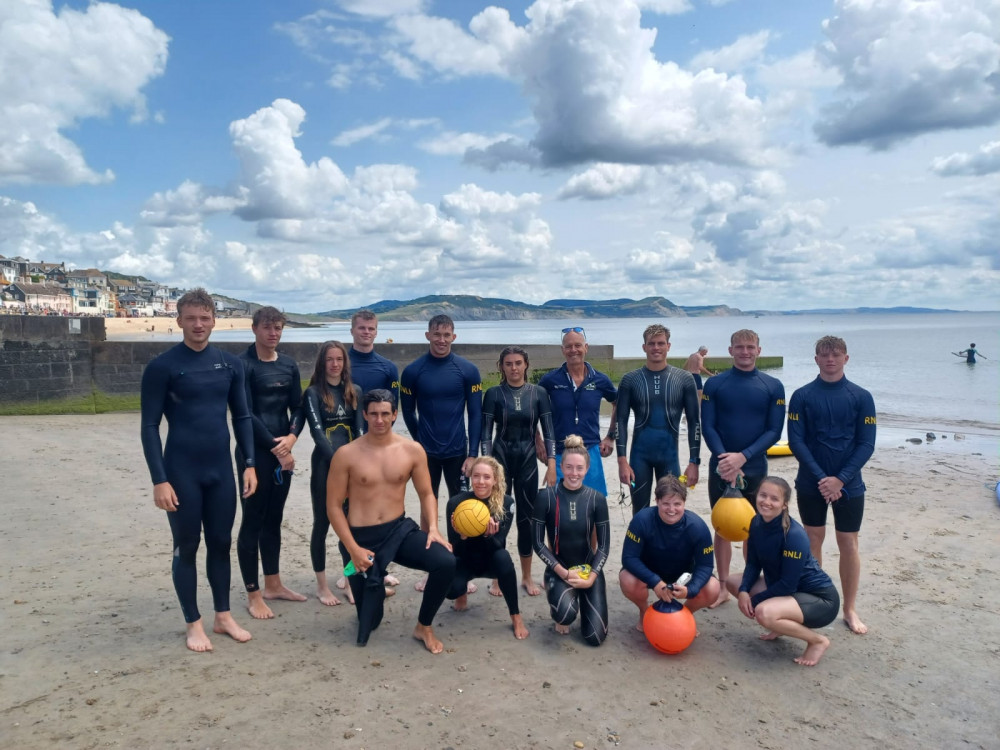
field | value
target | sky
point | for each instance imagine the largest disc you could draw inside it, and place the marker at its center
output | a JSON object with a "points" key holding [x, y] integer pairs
{"points": [[328, 154]]}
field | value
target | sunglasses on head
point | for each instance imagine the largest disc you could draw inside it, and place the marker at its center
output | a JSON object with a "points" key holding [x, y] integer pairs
{"points": [[575, 329]]}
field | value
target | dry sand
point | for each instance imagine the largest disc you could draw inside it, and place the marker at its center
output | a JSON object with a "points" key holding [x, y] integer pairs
{"points": [[147, 329], [93, 650]]}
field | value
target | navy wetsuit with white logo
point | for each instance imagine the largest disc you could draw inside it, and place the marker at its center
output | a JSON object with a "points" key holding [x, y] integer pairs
{"points": [[655, 551]]}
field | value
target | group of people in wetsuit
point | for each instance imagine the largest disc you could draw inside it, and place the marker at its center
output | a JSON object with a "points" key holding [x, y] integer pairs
{"points": [[487, 448]]}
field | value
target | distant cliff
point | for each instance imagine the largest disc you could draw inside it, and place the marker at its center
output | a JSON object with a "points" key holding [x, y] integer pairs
{"points": [[470, 307]]}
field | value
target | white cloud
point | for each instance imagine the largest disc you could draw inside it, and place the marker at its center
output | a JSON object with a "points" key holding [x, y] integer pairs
{"points": [[60, 69], [189, 204], [911, 67], [364, 132], [382, 8], [456, 144], [442, 44], [985, 161], [667, 7], [734, 57], [607, 181]]}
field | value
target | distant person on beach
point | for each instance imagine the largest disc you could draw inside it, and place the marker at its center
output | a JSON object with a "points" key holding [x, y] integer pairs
{"points": [[695, 365], [333, 410], [742, 414], [274, 394], [783, 587], [831, 431], [658, 394], [970, 354], [373, 471], [193, 384], [663, 543], [517, 409], [575, 390]]}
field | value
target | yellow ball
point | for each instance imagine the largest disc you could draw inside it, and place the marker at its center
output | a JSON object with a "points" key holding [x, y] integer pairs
{"points": [[582, 570], [731, 518], [471, 517]]}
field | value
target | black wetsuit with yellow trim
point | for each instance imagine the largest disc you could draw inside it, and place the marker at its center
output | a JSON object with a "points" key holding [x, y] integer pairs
{"points": [[570, 519], [331, 426]]}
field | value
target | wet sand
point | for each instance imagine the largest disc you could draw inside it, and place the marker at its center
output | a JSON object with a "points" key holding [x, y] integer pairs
{"points": [[93, 652]]}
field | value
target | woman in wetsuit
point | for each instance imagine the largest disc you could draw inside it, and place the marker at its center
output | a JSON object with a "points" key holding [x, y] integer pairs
{"points": [[333, 410], [572, 516], [516, 408], [486, 555], [793, 595]]}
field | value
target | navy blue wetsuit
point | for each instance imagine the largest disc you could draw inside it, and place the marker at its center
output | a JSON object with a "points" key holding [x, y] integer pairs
{"points": [[655, 551], [658, 398], [831, 431], [193, 390], [577, 411], [483, 556], [517, 412], [789, 570], [370, 370], [570, 518], [331, 426], [436, 394], [274, 394], [741, 412]]}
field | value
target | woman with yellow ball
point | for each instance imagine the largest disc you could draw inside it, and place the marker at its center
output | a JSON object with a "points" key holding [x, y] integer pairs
{"points": [[485, 555]]}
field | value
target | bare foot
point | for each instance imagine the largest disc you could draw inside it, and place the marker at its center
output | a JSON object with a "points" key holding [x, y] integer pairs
{"points": [[421, 584], [562, 629], [283, 592], [770, 635], [723, 597], [495, 588], [391, 580], [471, 588], [196, 638], [326, 596], [388, 592], [226, 625], [813, 653], [520, 631], [425, 634], [529, 585], [342, 583], [257, 607], [461, 603], [852, 621]]}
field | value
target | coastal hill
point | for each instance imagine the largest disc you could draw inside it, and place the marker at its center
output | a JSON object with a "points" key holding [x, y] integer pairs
{"points": [[470, 307]]}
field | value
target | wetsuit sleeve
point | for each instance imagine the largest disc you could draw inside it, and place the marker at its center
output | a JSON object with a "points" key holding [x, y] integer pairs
{"points": [[773, 424], [297, 416], [393, 379], [603, 524], [359, 416], [240, 412], [632, 549], [500, 538], [454, 539], [794, 554], [539, 515], [474, 407], [692, 411], [261, 435], [408, 400], [489, 414], [864, 438], [797, 429], [545, 419], [624, 408], [155, 382], [708, 415], [314, 415], [751, 571], [704, 559]]}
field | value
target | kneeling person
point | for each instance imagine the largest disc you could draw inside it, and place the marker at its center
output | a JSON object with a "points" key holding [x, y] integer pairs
{"points": [[373, 471], [663, 543]]}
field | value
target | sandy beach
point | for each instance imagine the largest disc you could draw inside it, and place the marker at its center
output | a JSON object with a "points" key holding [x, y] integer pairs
{"points": [[94, 654], [149, 329]]}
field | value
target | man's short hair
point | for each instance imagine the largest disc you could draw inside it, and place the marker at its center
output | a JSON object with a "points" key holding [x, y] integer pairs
{"points": [[703, 349], [745, 334], [440, 321], [379, 396], [831, 344], [196, 298], [269, 315], [363, 314], [655, 329]]}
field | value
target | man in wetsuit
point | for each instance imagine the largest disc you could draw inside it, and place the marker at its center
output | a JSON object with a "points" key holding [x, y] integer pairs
{"points": [[831, 431], [274, 394], [575, 390], [192, 384], [369, 369], [742, 414], [695, 365], [373, 471], [970, 354], [658, 394]]}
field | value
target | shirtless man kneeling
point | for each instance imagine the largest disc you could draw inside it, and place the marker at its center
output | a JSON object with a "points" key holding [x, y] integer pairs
{"points": [[373, 471]]}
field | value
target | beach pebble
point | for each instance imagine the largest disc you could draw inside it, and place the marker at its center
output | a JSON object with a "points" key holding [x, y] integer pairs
{"points": [[931, 436], [915, 441], [578, 744]]}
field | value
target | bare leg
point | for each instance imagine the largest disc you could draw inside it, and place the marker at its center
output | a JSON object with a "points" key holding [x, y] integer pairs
{"points": [[636, 592], [782, 616], [425, 634], [816, 536], [226, 625], [709, 593], [275, 589], [527, 582], [461, 603], [850, 576], [197, 640], [257, 606], [723, 557], [323, 591], [520, 630]]}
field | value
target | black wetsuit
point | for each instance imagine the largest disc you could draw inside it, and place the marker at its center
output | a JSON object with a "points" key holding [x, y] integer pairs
{"points": [[331, 427], [193, 390], [483, 556], [569, 519], [517, 412], [274, 394], [658, 399]]}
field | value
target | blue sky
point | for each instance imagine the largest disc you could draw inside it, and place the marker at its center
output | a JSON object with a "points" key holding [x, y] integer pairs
{"points": [[331, 153]]}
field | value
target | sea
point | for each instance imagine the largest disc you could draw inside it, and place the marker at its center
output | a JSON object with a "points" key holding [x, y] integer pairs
{"points": [[905, 360]]}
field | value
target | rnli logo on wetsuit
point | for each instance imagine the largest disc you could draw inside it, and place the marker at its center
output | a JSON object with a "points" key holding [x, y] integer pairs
{"points": [[704, 397], [406, 390], [793, 416], [792, 554], [778, 402], [870, 420], [633, 537], [708, 550], [477, 388], [395, 385]]}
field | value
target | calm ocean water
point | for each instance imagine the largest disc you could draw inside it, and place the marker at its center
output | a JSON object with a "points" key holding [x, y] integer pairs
{"points": [[904, 360]]}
